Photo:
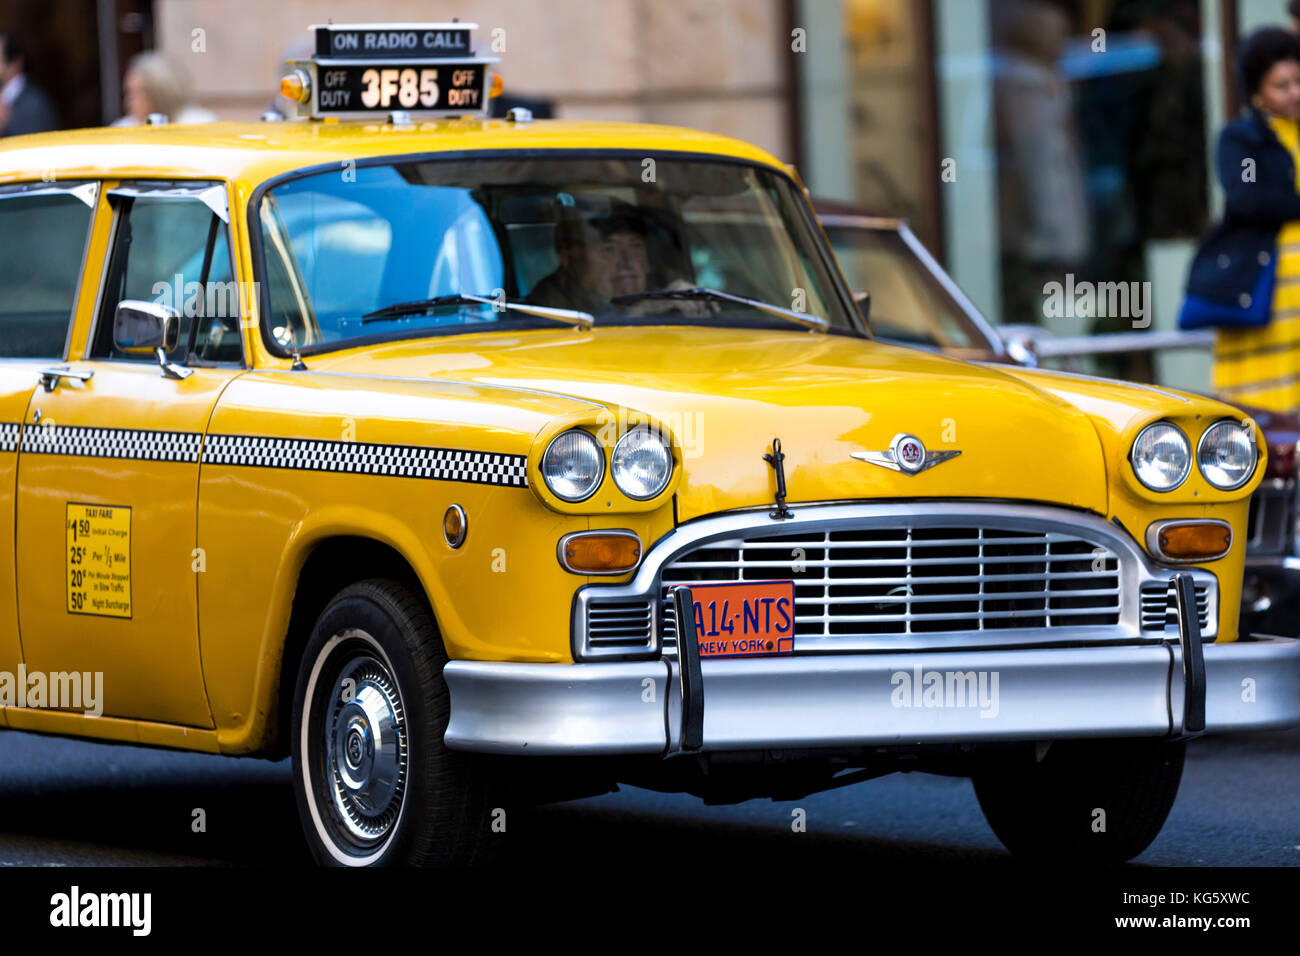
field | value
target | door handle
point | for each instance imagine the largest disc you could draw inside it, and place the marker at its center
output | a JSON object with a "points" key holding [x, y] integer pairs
{"points": [[50, 376]]}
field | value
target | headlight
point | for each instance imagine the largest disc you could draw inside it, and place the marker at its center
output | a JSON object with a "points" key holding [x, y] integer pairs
{"points": [[641, 464], [1226, 455], [573, 465], [1161, 456]]}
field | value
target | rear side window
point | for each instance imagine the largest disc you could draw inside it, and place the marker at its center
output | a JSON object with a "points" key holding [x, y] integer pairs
{"points": [[42, 243]]}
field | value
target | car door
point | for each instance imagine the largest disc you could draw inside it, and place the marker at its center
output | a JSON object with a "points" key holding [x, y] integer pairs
{"points": [[108, 477], [44, 232]]}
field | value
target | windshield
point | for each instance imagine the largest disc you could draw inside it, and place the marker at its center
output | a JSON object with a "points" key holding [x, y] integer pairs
{"points": [[363, 251], [908, 304]]}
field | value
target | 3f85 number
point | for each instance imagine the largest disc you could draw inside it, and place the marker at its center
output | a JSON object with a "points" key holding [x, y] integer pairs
{"points": [[410, 87]]}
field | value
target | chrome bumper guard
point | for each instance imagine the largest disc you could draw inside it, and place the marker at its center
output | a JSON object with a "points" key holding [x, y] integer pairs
{"points": [[881, 699]]}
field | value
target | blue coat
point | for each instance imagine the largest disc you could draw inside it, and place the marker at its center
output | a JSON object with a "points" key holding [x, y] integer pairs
{"points": [[1232, 258]]}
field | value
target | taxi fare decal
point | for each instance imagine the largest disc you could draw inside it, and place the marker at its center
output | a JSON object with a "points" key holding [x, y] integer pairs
{"points": [[406, 461], [99, 559]]}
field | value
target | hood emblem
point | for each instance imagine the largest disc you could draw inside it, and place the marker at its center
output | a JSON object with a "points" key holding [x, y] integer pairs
{"points": [[906, 453]]}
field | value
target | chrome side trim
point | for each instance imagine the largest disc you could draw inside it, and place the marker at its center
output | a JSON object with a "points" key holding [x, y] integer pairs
{"points": [[1135, 567]]}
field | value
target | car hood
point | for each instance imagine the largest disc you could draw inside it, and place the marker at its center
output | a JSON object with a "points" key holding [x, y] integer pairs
{"points": [[727, 393]]}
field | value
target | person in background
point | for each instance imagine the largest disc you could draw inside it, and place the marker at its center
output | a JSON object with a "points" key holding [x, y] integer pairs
{"points": [[24, 107], [1293, 9], [1245, 276], [1043, 219], [152, 85]]}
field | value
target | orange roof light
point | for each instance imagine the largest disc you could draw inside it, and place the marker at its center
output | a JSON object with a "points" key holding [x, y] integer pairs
{"points": [[296, 86], [600, 552], [1202, 540]]}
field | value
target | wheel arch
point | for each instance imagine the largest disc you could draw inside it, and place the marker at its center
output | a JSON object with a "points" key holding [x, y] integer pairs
{"points": [[329, 566]]}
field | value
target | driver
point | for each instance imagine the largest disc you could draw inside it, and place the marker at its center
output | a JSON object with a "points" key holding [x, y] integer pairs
{"points": [[599, 259]]}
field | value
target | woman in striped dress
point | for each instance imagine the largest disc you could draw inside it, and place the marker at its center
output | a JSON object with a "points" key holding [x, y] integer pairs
{"points": [[1261, 367], [1246, 275]]}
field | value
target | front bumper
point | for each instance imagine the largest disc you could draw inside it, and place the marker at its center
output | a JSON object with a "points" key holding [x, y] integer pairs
{"points": [[870, 699]]}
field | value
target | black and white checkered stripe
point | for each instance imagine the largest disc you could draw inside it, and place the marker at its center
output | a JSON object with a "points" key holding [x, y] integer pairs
{"points": [[406, 461], [9, 435], [134, 443]]}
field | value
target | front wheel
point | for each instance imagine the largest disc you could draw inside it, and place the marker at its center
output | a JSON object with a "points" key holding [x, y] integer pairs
{"points": [[374, 782], [1091, 801]]}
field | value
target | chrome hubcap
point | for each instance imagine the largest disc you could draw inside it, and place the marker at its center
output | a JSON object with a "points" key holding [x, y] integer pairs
{"points": [[366, 749]]}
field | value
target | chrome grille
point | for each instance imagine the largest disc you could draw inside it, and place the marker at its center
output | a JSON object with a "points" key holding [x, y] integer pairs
{"points": [[620, 626], [903, 581], [1160, 606]]}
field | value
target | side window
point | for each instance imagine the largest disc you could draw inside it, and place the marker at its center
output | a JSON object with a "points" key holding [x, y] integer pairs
{"points": [[173, 251], [42, 243]]}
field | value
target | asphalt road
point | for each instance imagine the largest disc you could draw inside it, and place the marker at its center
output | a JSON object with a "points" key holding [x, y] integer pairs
{"points": [[67, 802]]}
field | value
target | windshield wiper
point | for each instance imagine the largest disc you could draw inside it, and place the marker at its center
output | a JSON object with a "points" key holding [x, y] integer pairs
{"points": [[583, 320], [803, 318]]}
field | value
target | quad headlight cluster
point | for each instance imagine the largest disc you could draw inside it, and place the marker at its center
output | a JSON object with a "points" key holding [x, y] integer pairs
{"points": [[573, 465], [1225, 455]]}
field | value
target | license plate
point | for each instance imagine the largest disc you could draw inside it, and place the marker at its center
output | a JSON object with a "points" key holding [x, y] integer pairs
{"points": [[749, 619]]}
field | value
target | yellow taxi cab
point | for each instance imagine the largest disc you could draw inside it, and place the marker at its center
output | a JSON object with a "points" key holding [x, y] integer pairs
{"points": [[467, 459]]}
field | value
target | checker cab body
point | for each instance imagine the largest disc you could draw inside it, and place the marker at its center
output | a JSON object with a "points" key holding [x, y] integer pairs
{"points": [[472, 460]]}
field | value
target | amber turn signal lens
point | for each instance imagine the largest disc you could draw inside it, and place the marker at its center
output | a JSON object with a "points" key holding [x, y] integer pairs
{"points": [[455, 525], [1193, 540], [294, 86], [498, 86], [596, 552]]}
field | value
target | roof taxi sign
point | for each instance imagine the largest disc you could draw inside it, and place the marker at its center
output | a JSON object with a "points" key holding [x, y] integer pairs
{"points": [[368, 69]]}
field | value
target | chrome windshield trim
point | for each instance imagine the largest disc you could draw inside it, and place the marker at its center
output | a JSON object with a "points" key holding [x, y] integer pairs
{"points": [[1136, 568]]}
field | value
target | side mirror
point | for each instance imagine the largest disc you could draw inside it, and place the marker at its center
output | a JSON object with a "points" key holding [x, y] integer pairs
{"points": [[141, 328], [862, 298], [1021, 349]]}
